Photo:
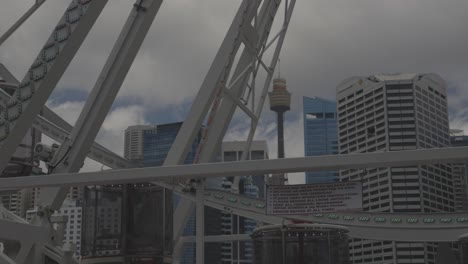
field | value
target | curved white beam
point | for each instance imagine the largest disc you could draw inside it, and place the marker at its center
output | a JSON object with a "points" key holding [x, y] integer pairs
{"points": [[401, 227]]}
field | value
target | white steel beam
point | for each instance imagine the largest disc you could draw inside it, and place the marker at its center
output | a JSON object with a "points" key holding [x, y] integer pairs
{"points": [[7, 215], [200, 223], [280, 37], [7, 76], [215, 79], [73, 151], [253, 167], [217, 74], [216, 130], [4, 259], [97, 152], [366, 225], [17, 231], [53, 126], [21, 20], [45, 73]]}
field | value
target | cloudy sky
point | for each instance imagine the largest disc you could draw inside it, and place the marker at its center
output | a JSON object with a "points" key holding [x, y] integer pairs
{"points": [[328, 41]]}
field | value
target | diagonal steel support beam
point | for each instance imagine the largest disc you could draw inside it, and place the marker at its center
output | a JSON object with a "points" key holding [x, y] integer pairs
{"points": [[221, 120], [55, 127], [97, 152], [45, 73], [223, 107], [217, 74], [4, 259], [73, 151], [17, 231]]}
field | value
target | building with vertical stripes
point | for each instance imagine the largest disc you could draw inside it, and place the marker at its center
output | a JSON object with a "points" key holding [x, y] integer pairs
{"points": [[396, 112]]}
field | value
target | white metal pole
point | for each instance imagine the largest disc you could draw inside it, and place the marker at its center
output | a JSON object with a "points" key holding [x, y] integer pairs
{"points": [[200, 223], [72, 153]]}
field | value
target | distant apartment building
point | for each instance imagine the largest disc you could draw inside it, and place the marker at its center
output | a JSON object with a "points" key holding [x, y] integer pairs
{"points": [[320, 135], [73, 213], [102, 232], [391, 113], [460, 175], [251, 185], [22, 163], [156, 146], [133, 145], [233, 150]]}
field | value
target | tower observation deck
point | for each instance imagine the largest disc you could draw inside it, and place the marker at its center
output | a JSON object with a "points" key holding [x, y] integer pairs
{"points": [[280, 102]]}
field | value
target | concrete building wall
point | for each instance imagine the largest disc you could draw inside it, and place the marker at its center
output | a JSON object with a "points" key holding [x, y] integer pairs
{"points": [[390, 113], [133, 145], [460, 176]]}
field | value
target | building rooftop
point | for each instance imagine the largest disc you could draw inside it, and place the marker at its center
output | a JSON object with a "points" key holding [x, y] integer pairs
{"points": [[316, 98], [396, 77], [391, 77]]}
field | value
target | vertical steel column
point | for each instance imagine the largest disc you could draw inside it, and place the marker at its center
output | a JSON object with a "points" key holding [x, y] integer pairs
{"points": [[218, 73], [200, 222]]}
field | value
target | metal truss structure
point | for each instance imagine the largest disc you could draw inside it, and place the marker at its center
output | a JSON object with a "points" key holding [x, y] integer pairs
{"points": [[230, 84]]}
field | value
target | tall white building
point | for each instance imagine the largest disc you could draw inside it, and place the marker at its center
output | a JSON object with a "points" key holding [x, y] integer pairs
{"points": [[390, 113], [460, 175], [17, 202], [253, 186], [74, 214], [133, 147]]}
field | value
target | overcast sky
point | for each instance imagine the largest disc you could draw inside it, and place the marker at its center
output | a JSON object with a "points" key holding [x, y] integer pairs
{"points": [[328, 41]]}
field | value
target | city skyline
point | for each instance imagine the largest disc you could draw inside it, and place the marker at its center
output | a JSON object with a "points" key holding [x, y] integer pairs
{"points": [[311, 66], [396, 70]]}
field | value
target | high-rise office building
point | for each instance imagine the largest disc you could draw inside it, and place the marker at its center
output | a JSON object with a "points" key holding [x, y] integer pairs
{"points": [[253, 186], [320, 134], [131, 222], [156, 146], [392, 113], [134, 137], [460, 175], [232, 151]]}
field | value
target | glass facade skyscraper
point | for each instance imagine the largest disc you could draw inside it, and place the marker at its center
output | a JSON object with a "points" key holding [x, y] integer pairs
{"points": [[460, 175], [141, 226], [320, 134], [156, 145]]}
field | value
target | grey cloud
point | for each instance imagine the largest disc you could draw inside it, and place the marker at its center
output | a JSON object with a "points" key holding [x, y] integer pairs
{"points": [[327, 42]]}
